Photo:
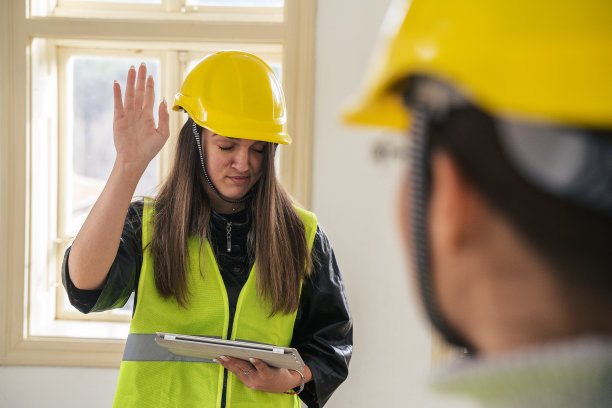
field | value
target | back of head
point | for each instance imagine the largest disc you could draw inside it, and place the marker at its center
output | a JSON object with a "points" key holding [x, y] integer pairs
{"points": [[520, 95]]}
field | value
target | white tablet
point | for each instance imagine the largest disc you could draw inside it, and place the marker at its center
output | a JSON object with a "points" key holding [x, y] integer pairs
{"points": [[212, 347]]}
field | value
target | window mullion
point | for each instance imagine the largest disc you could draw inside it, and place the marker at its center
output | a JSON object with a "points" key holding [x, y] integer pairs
{"points": [[173, 63], [179, 31], [173, 6]]}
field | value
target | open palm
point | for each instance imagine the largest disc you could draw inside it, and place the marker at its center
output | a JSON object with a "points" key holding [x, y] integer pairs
{"points": [[137, 139]]}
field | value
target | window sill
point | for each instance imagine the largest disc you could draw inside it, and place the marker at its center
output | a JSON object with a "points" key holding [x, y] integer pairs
{"points": [[62, 351]]}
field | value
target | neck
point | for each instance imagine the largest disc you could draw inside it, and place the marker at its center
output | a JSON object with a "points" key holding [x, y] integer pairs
{"points": [[221, 206], [520, 301], [227, 208]]}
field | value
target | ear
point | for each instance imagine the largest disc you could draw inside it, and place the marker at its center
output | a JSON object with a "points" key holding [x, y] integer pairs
{"points": [[455, 209]]}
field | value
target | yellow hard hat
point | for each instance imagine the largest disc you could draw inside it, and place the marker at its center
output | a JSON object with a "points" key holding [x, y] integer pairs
{"points": [[235, 94], [538, 60]]}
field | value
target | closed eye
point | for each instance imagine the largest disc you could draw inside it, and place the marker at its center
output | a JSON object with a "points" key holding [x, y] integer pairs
{"points": [[259, 148], [225, 148]]}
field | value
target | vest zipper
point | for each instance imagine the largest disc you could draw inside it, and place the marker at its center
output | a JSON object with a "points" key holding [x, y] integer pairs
{"points": [[225, 371], [229, 328], [228, 228]]}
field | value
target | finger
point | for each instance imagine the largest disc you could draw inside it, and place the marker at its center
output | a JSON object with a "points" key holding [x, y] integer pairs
{"points": [[227, 362], [240, 366], [129, 89], [140, 86], [163, 126], [117, 99], [221, 361], [237, 363], [149, 95], [235, 366], [259, 365]]}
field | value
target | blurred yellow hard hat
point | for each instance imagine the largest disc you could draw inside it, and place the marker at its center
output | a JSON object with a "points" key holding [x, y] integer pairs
{"points": [[235, 94], [538, 60]]}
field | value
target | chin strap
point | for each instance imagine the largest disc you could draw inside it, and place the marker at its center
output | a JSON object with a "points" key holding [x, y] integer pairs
{"points": [[420, 191], [197, 136]]}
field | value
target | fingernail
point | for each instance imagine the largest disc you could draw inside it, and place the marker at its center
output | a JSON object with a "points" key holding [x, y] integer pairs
{"points": [[164, 101], [115, 81], [132, 67], [142, 64], [224, 358], [216, 361], [252, 360]]}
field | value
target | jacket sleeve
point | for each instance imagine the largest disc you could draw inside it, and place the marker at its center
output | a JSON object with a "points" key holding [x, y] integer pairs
{"points": [[122, 277], [323, 332]]}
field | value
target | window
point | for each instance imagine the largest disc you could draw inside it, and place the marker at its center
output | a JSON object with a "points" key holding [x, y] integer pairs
{"points": [[60, 58]]}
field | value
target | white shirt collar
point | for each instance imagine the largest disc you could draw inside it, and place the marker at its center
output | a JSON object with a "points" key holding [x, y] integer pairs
{"points": [[574, 373]]}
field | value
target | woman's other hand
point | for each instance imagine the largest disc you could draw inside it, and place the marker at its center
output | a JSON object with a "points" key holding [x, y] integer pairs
{"points": [[259, 376], [137, 139]]}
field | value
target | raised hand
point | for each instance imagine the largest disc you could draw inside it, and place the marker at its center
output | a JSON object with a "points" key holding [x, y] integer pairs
{"points": [[137, 139]]}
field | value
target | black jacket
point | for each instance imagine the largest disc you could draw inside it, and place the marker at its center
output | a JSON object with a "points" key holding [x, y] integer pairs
{"points": [[323, 330]]}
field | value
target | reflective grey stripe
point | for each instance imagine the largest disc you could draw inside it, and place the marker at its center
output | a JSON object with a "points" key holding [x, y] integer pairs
{"points": [[142, 347]]}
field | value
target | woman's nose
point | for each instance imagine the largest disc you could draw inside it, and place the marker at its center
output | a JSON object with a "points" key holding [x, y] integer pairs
{"points": [[241, 160]]}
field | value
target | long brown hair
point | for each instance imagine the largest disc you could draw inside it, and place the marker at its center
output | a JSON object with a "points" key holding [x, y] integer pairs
{"points": [[277, 236]]}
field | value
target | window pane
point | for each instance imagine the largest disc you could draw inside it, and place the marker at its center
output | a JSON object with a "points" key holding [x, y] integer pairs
{"points": [[278, 71], [237, 3], [91, 124]]}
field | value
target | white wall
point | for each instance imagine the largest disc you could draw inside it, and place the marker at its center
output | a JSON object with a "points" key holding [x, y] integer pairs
{"points": [[355, 201], [57, 387]]}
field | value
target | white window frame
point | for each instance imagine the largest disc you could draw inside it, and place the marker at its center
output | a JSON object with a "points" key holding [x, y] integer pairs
{"points": [[174, 9], [27, 224]]}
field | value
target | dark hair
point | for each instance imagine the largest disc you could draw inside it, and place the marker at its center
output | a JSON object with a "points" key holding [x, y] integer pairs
{"points": [[182, 209], [574, 240]]}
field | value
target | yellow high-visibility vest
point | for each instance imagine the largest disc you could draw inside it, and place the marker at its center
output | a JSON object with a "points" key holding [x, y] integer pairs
{"points": [[150, 376]]}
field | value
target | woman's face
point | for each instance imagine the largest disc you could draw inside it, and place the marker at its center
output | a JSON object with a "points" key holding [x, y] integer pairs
{"points": [[233, 165]]}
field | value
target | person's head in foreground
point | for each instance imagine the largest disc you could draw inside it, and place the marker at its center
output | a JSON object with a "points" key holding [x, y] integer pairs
{"points": [[507, 211]]}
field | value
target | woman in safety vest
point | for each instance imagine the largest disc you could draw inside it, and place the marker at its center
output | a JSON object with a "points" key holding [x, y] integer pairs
{"points": [[221, 251]]}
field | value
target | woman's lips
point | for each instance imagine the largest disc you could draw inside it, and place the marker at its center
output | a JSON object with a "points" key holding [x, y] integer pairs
{"points": [[239, 179]]}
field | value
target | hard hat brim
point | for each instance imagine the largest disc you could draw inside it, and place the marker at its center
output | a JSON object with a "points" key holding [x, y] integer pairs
{"points": [[270, 137]]}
